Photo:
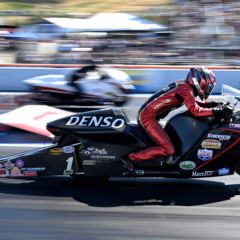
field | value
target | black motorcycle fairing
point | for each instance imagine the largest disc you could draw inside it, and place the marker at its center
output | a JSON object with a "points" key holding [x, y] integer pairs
{"points": [[101, 158], [185, 131], [224, 145]]}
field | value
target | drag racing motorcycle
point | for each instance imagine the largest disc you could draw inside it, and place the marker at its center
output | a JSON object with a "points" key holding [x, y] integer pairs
{"points": [[89, 85], [91, 144]]}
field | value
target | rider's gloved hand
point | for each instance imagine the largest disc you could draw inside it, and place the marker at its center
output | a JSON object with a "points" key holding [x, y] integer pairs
{"points": [[218, 112], [213, 104], [223, 112], [228, 111], [217, 104], [223, 104]]}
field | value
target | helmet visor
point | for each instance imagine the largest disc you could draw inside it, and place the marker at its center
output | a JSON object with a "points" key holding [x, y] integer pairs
{"points": [[209, 87]]}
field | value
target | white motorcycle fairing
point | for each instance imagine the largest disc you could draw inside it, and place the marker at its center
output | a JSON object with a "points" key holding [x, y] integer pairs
{"points": [[103, 86]]}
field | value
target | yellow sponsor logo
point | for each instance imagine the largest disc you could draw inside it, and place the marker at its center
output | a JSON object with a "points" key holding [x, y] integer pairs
{"points": [[56, 151], [211, 143]]}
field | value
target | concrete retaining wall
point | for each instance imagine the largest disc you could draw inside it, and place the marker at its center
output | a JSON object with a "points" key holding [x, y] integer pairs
{"points": [[147, 79]]}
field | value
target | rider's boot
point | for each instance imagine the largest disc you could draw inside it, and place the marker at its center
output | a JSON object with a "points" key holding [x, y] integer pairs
{"points": [[128, 165], [169, 160]]}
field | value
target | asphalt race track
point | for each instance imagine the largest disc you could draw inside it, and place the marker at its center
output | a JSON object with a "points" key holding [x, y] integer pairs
{"points": [[57, 208]]}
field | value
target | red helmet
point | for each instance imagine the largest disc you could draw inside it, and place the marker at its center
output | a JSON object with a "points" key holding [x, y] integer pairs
{"points": [[202, 81]]}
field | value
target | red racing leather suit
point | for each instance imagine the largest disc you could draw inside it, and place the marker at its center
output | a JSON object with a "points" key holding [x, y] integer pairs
{"points": [[161, 103]]}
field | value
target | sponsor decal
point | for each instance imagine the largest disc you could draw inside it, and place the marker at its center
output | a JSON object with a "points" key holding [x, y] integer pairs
{"points": [[219, 137], [89, 162], [8, 168], [8, 164], [96, 121], [19, 163], [103, 157], [139, 172], [90, 149], [223, 171], [164, 102], [16, 172], [166, 88], [211, 143], [187, 165], [234, 125], [30, 173], [3, 172], [34, 169], [56, 151], [97, 153], [100, 151], [202, 174], [68, 172], [205, 154], [85, 152], [68, 149]]}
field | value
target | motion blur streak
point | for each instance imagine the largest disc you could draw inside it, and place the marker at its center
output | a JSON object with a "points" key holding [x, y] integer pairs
{"points": [[58, 208]]}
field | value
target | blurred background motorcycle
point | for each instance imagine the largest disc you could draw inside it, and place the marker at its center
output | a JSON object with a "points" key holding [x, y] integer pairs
{"points": [[89, 85]]}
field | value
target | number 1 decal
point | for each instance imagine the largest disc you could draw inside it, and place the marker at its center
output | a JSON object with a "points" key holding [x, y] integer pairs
{"points": [[68, 170]]}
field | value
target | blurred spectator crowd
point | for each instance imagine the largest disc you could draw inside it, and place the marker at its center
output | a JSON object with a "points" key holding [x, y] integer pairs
{"points": [[198, 32]]}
